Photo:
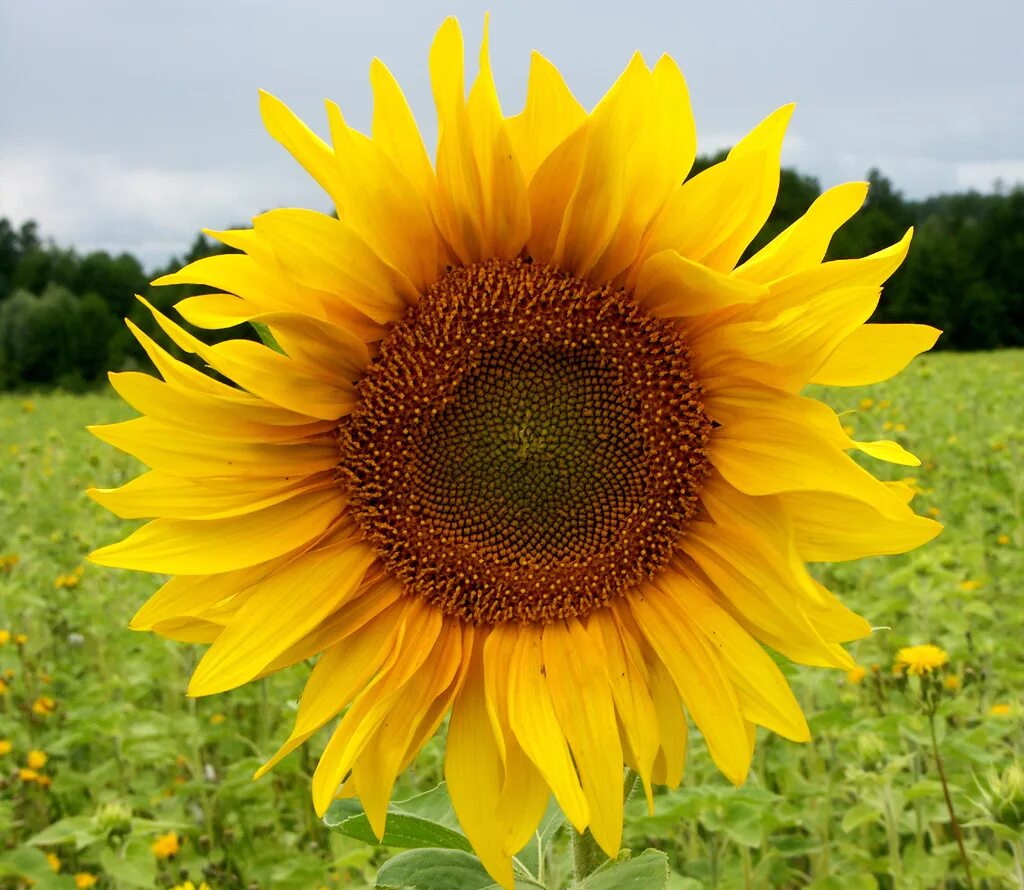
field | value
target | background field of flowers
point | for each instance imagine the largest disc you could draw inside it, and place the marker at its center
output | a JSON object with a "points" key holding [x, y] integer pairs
{"points": [[109, 774]]}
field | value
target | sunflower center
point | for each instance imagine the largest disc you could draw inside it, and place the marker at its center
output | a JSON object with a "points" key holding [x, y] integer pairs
{"points": [[526, 447]]}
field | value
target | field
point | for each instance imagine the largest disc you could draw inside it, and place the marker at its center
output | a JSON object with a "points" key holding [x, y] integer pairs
{"points": [[134, 770]]}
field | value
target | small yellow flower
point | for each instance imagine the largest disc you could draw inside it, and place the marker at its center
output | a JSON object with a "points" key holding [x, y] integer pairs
{"points": [[44, 781], [84, 879], [866, 404], [952, 440], [1000, 710], [934, 511], [27, 774], [8, 562], [885, 403], [44, 706], [888, 426], [3, 688], [217, 718], [920, 660], [998, 446], [1003, 539], [5, 747], [951, 683], [28, 406], [5, 636], [36, 759], [856, 675], [45, 678], [21, 639], [166, 845], [900, 427], [970, 585], [54, 861], [188, 885]]}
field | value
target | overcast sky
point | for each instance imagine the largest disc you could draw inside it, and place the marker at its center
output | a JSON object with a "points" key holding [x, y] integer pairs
{"points": [[128, 125]]}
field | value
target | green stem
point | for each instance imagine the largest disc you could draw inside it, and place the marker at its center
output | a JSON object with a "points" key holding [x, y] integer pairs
{"points": [[953, 822]]}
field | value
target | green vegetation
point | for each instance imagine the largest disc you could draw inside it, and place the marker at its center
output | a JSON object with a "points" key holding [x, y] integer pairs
{"points": [[131, 760], [60, 311]]}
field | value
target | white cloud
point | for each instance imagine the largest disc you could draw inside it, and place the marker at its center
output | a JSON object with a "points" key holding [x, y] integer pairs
{"points": [[983, 175]]}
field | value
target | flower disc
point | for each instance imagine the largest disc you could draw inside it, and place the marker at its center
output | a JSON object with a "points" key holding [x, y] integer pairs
{"points": [[527, 446]]}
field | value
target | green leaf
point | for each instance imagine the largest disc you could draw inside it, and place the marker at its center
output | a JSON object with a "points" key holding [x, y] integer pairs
{"points": [[648, 871], [133, 865], [860, 814], [28, 862], [426, 820], [266, 336], [80, 829], [440, 870]]}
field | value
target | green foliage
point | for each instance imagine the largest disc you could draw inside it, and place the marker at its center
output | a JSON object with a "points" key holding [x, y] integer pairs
{"points": [[132, 758]]}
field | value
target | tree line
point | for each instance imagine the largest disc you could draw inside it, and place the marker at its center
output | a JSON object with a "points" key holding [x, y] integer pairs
{"points": [[61, 311]]}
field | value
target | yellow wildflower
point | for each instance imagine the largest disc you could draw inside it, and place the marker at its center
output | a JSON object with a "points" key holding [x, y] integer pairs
{"points": [[5, 747], [970, 585], [885, 403], [21, 639], [27, 774], [43, 781], [3, 688], [856, 675], [849, 430], [951, 683], [36, 759], [5, 636], [28, 406], [998, 446], [920, 660], [217, 718], [84, 879], [900, 427], [1003, 539], [44, 706], [888, 426], [54, 860], [934, 511], [866, 404], [1000, 710], [166, 845]]}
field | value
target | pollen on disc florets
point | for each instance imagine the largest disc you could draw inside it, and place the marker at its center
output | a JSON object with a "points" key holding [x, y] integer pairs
{"points": [[526, 446]]}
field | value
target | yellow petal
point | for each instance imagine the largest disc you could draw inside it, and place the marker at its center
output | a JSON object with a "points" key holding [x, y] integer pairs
{"points": [[764, 695], [301, 143], [279, 610], [533, 719], [700, 679], [804, 242], [671, 286], [831, 528], [179, 452], [550, 114], [875, 352], [208, 546], [341, 673], [580, 692], [889, 451], [764, 142], [154, 495]]}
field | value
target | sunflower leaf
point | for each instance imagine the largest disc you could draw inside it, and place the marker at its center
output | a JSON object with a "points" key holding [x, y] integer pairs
{"points": [[648, 871], [441, 870], [426, 820], [266, 336]]}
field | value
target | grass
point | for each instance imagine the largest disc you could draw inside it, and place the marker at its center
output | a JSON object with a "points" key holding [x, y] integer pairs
{"points": [[130, 759]]}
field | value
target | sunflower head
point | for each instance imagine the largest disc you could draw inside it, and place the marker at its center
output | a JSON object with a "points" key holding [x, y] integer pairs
{"points": [[532, 452]]}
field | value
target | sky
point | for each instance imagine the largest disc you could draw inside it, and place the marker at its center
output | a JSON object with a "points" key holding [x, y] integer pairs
{"points": [[128, 125]]}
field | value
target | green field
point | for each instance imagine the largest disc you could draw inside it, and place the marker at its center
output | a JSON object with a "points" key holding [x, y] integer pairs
{"points": [[130, 758]]}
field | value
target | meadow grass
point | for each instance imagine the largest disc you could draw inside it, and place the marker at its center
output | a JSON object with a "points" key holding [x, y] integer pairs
{"points": [[130, 759]]}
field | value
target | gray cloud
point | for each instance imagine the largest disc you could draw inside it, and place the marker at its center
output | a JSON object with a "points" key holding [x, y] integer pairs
{"points": [[127, 125]]}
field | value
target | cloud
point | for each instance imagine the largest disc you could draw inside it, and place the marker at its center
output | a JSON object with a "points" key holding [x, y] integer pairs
{"points": [[983, 175]]}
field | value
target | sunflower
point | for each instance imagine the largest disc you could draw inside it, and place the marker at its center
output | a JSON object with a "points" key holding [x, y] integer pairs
{"points": [[530, 450]]}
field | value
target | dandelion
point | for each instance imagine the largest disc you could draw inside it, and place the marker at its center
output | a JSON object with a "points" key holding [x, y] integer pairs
{"points": [[27, 774], [951, 683], [44, 706], [866, 404], [856, 675], [970, 585], [36, 759], [1003, 539], [8, 562], [899, 428], [3, 687], [84, 880], [217, 719], [888, 426], [528, 442], [54, 861], [166, 846], [921, 660], [999, 710], [44, 781], [934, 511], [188, 885], [5, 747], [884, 403], [20, 639], [28, 406], [5, 636]]}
